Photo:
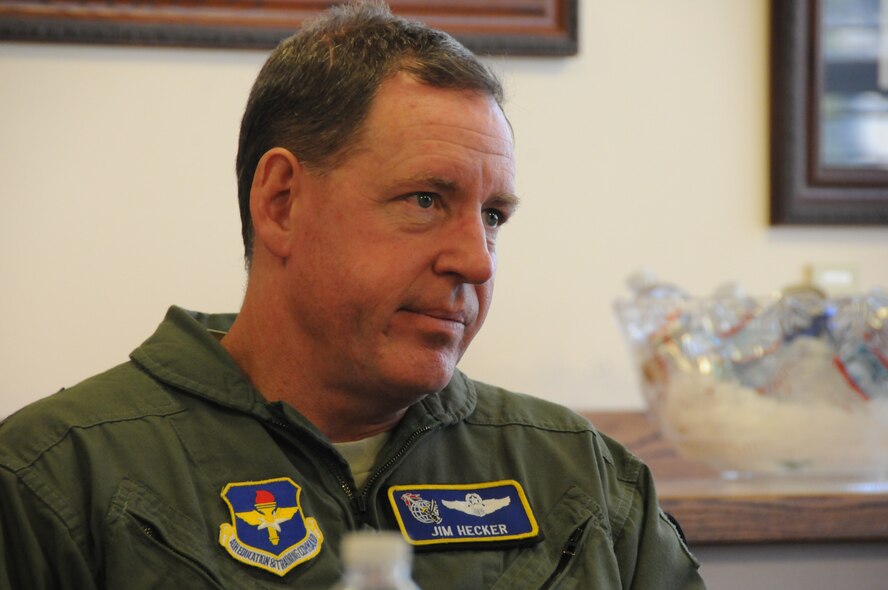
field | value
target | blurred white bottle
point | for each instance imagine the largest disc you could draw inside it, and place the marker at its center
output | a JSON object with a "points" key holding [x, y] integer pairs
{"points": [[376, 560]]}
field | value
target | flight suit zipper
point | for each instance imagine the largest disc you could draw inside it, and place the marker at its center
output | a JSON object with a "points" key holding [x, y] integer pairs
{"points": [[360, 503], [333, 469], [394, 459], [158, 539], [567, 554]]}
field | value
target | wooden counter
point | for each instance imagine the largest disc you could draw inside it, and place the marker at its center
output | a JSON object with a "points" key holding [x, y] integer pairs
{"points": [[713, 510]]}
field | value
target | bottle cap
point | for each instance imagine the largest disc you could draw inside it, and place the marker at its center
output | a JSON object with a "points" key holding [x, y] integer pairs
{"points": [[374, 548]]}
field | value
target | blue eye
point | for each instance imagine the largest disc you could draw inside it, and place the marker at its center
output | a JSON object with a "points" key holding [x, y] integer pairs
{"points": [[425, 200], [493, 217]]}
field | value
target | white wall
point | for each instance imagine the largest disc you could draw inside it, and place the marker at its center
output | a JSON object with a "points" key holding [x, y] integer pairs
{"points": [[649, 148]]}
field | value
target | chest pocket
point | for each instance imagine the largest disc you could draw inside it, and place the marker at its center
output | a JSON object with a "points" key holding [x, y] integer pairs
{"points": [[152, 545], [576, 552]]}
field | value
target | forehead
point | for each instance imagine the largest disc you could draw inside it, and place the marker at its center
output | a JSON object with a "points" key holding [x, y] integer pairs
{"points": [[409, 115]]}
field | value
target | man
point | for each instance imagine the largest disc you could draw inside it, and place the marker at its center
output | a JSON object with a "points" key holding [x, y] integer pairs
{"points": [[375, 171]]}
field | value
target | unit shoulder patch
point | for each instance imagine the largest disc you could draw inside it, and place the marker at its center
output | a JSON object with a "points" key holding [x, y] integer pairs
{"points": [[268, 529], [440, 514]]}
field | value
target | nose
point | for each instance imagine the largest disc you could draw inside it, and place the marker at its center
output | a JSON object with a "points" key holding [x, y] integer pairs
{"points": [[467, 250]]}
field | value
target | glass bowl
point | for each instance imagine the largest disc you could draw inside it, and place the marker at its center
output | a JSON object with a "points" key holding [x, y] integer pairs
{"points": [[793, 382]]}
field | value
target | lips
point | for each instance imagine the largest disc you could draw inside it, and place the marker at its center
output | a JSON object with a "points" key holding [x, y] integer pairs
{"points": [[454, 313], [457, 316]]}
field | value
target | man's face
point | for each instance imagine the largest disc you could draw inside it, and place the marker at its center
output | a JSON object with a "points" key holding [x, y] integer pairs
{"points": [[392, 271]]}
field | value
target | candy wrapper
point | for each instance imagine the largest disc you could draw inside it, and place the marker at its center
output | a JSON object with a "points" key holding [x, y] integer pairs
{"points": [[793, 382]]}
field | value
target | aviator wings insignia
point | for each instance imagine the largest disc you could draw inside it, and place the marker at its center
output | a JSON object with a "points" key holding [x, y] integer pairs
{"points": [[475, 506]]}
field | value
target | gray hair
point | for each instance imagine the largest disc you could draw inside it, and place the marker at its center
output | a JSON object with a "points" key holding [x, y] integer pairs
{"points": [[315, 90]]}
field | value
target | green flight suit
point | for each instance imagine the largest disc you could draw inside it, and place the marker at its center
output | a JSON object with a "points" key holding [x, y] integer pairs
{"points": [[117, 482]]}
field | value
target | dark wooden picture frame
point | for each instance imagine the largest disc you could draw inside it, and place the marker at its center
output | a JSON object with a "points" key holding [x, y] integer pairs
{"points": [[503, 27], [804, 189]]}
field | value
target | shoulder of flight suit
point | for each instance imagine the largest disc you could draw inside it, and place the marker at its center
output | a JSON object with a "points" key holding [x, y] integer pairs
{"points": [[119, 394]]}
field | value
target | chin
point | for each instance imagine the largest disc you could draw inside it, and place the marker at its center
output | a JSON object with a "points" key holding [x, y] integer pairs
{"points": [[424, 382], [426, 386], [416, 372]]}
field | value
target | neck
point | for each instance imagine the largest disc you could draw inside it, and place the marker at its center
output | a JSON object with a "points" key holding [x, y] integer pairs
{"points": [[268, 349]]}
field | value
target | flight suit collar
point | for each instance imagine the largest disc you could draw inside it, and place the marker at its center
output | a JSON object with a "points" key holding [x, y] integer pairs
{"points": [[184, 353]]}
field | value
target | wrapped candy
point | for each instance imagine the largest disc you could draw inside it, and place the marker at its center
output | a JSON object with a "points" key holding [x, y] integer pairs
{"points": [[792, 382]]}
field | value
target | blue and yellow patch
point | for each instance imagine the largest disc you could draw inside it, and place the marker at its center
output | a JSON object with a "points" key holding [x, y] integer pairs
{"points": [[486, 512], [268, 529]]}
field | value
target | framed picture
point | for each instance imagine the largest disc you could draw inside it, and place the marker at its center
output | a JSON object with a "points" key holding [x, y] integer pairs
{"points": [[829, 112], [512, 27]]}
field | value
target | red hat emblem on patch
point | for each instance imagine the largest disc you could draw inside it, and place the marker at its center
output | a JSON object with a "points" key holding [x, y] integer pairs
{"points": [[264, 497]]}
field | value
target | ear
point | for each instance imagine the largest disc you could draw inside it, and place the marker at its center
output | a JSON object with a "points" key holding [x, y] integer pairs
{"points": [[275, 187]]}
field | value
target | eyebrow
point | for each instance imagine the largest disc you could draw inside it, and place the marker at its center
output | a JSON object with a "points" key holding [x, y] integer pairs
{"points": [[510, 200]]}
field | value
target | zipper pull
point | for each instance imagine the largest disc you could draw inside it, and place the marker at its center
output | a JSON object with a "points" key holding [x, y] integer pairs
{"points": [[569, 551], [570, 548]]}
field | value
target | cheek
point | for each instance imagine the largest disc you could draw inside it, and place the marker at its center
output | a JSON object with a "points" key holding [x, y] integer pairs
{"points": [[484, 293]]}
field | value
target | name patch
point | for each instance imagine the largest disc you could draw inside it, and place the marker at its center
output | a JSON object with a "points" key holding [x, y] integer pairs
{"points": [[463, 513], [268, 529]]}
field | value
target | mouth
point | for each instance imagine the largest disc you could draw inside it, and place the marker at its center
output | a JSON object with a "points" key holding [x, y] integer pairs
{"points": [[455, 318]]}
